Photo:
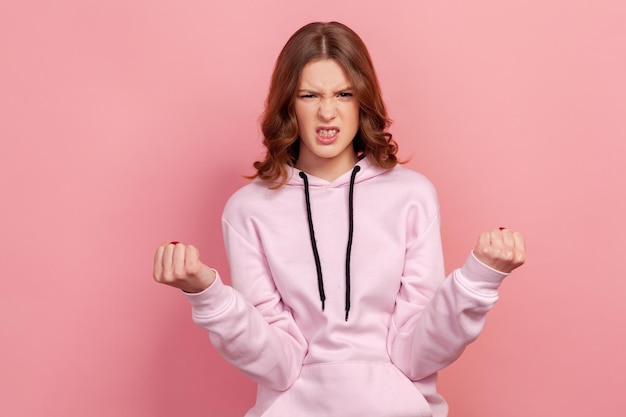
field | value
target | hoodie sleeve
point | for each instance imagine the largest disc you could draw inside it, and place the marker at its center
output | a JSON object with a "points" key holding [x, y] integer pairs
{"points": [[436, 318], [250, 326]]}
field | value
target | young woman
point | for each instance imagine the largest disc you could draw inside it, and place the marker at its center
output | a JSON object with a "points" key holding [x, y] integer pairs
{"points": [[338, 305]]}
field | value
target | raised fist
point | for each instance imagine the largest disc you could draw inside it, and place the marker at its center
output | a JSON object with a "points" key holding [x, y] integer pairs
{"points": [[179, 266], [501, 249]]}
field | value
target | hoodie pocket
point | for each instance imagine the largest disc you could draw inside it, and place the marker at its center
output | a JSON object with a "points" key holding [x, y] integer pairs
{"points": [[353, 389]]}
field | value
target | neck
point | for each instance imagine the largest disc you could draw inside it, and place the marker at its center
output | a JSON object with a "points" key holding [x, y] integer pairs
{"points": [[328, 169]]}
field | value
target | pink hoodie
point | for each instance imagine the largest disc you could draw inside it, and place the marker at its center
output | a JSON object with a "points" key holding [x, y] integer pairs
{"points": [[405, 322]]}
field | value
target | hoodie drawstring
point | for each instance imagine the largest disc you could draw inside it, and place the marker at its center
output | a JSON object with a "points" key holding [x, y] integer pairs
{"points": [[350, 233], [316, 255], [318, 265]]}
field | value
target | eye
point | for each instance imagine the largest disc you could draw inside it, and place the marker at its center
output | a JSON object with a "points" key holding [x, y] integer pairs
{"points": [[307, 96], [345, 94]]}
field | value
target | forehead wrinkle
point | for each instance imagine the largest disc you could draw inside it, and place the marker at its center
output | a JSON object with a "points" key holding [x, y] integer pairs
{"points": [[324, 91], [322, 87]]}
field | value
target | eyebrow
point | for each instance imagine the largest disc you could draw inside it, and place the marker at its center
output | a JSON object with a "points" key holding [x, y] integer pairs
{"points": [[310, 90]]}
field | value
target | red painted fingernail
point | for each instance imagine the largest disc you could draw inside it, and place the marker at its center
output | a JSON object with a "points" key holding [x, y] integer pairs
{"points": [[174, 242], [501, 228]]}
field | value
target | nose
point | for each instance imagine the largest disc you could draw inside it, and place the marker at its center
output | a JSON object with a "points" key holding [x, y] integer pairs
{"points": [[327, 110]]}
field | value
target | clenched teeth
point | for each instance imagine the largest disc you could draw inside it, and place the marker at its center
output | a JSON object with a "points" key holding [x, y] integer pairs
{"points": [[330, 132]]}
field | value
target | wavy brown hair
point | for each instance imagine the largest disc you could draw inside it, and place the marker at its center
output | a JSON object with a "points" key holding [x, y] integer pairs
{"points": [[315, 41]]}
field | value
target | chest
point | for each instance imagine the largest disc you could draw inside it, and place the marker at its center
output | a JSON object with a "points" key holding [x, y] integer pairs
{"points": [[375, 249]]}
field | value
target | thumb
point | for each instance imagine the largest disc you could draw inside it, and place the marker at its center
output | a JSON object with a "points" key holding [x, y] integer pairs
{"points": [[203, 274]]}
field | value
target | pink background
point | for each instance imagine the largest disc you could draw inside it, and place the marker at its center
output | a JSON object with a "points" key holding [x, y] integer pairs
{"points": [[124, 124]]}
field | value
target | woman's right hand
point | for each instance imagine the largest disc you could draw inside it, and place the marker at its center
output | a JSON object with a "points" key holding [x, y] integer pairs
{"points": [[179, 266]]}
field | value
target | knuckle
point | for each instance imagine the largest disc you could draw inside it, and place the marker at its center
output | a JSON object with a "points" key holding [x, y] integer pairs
{"points": [[193, 266], [166, 276], [179, 275]]}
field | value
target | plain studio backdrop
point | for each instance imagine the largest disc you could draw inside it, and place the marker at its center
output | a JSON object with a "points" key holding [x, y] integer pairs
{"points": [[124, 124]]}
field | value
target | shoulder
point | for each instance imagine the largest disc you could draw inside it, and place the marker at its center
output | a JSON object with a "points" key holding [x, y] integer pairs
{"points": [[411, 176], [258, 202], [410, 182], [245, 198], [417, 199]]}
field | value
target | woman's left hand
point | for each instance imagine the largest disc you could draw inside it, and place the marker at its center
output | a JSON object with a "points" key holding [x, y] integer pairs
{"points": [[501, 249]]}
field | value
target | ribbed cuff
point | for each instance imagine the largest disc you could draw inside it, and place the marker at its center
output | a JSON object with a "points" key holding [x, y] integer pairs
{"points": [[212, 300], [481, 277]]}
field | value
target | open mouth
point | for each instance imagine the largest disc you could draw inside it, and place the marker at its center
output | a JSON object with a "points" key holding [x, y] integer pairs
{"points": [[327, 133]]}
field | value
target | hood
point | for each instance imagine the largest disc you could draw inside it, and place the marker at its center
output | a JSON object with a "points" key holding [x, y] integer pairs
{"points": [[367, 171]]}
